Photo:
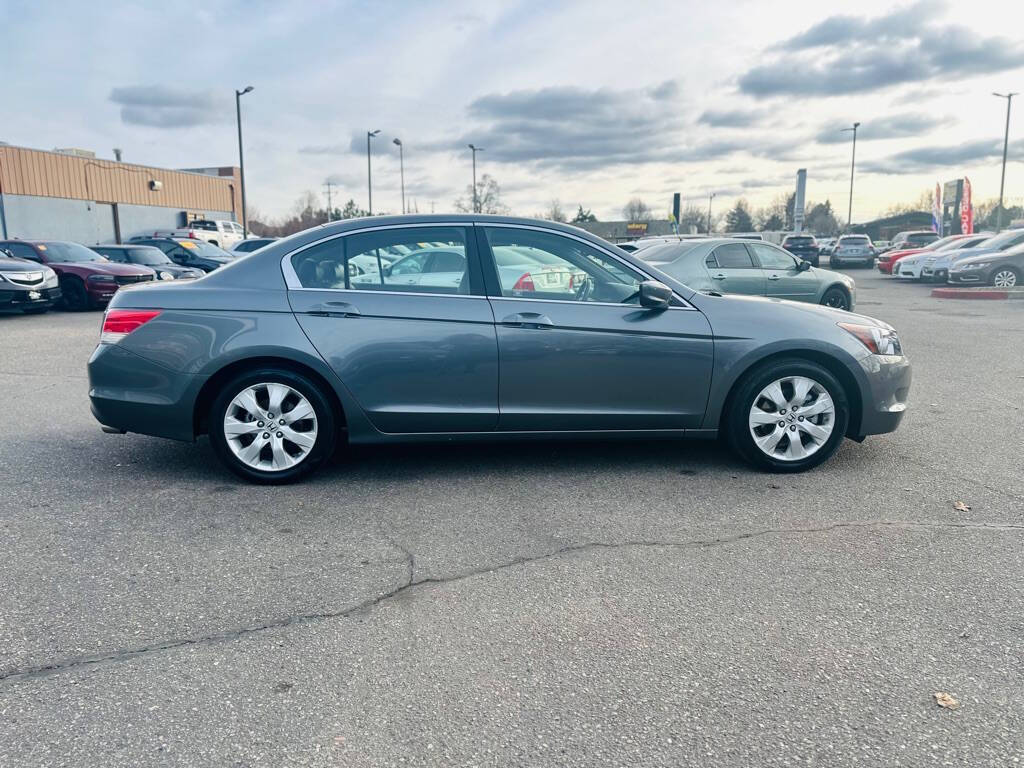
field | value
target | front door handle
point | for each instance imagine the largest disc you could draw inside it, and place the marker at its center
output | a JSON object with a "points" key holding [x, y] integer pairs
{"points": [[773, 277], [528, 320], [719, 276], [334, 309]]}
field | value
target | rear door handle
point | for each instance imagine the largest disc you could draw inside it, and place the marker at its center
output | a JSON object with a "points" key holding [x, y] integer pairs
{"points": [[719, 276], [773, 277], [528, 320], [334, 309]]}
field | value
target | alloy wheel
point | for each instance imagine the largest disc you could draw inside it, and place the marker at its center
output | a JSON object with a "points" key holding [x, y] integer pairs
{"points": [[792, 418], [270, 426], [1004, 278]]}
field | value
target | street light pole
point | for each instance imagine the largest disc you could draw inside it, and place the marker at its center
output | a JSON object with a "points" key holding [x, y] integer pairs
{"points": [[710, 198], [369, 173], [241, 157], [1006, 141], [401, 167], [853, 162], [476, 198]]}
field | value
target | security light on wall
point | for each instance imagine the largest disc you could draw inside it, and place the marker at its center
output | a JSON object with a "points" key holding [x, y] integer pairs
{"points": [[155, 185]]}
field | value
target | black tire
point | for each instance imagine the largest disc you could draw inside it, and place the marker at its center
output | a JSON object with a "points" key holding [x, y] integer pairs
{"points": [[836, 298], [870, 263], [73, 294], [1017, 279], [833, 264], [736, 421], [326, 421]]}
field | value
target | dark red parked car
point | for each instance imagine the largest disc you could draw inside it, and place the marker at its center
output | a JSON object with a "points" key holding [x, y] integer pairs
{"points": [[87, 279]]}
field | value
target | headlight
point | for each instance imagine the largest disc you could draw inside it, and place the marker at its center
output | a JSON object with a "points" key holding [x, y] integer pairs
{"points": [[881, 341], [165, 275], [976, 265], [101, 278]]}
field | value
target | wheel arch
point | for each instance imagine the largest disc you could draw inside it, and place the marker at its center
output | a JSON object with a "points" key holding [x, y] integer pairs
{"points": [[839, 285], [208, 392], [830, 363]]}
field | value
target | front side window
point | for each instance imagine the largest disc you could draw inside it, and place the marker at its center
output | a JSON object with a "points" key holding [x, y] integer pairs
{"points": [[773, 258], [433, 260], [733, 256], [540, 265], [22, 251]]}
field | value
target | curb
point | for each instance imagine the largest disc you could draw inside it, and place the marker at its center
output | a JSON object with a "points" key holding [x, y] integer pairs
{"points": [[976, 293]]}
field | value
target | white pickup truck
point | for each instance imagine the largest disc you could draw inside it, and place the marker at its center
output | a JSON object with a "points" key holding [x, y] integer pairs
{"points": [[220, 233]]}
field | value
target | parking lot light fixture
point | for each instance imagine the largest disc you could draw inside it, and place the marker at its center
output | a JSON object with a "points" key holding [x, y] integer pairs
{"points": [[476, 197], [853, 162], [1006, 141], [710, 198], [401, 167], [241, 158]]}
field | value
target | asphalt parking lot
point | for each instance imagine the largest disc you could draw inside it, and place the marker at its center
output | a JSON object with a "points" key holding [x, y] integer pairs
{"points": [[539, 604]]}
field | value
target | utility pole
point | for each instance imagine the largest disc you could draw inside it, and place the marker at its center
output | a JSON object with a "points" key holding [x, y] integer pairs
{"points": [[369, 174], [1006, 141], [710, 198], [330, 206], [476, 197], [853, 163], [401, 167], [241, 158]]}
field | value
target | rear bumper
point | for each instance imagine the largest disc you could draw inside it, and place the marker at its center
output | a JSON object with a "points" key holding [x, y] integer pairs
{"points": [[888, 389], [129, 393]]}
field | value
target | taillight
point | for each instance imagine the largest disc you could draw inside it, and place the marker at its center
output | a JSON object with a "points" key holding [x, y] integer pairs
{"points": [[118, 323], [524, 283]]}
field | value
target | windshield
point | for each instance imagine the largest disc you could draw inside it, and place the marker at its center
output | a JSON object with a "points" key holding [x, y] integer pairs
{"points": [[149, 257], [1005, 240], [205, 249], [666, 252], [920, 238], [69, 252], [799, 240]]}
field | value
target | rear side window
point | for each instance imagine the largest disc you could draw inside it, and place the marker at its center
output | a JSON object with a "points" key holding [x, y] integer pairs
{"points": [[733, 256], [773, 258], [433, 260]]}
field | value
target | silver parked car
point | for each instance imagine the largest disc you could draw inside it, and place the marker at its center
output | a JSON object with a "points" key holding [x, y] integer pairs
{"points": [[725, 265], [853, 249], [280, 355]]}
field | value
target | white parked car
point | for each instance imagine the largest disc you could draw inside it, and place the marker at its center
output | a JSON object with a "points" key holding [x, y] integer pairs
{"points": [[223, 234]]}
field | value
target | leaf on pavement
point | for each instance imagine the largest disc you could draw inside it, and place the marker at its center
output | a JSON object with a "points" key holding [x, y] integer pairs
{"points": [[959, 506], [946, 701]]}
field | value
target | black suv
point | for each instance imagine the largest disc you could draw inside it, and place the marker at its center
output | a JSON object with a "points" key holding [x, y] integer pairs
{"points": [[187, 252], [803, 247]]}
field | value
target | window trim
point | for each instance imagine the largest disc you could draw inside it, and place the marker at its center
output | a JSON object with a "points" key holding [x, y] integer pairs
{"points": [[292, 282]]}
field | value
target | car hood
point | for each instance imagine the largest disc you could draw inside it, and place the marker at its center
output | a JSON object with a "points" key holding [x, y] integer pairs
{"points": [[981, 258], [890, 255], [103, 267], [19, 265]]}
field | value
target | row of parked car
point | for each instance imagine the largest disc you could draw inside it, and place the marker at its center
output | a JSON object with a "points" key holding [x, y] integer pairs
{"points": [[36, 275], [982, 258]]}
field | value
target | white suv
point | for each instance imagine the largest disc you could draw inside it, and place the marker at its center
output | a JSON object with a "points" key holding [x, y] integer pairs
{"points": [[221, 233]]}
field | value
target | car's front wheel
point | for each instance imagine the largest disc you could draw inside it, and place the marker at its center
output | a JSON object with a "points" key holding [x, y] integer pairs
{"points": [[788, 416], [272, 426], [1006, 277], [836, 298]]}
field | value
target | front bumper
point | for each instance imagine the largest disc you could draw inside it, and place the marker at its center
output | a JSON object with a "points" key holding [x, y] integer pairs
{"points": [[885, 399], [885, 267], [971, 277], [20, 298], [132, 394]]}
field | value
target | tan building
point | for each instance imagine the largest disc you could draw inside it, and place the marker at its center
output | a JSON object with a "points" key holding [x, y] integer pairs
{"points": [[71, 196]]}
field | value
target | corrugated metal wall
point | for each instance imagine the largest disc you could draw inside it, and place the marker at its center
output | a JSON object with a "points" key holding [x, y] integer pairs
{"points": [[48, 174]]}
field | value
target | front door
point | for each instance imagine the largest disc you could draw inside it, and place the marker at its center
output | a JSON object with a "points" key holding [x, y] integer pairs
{"points": [[732, 270], [783, 279], [576, 349], [418, 356]]}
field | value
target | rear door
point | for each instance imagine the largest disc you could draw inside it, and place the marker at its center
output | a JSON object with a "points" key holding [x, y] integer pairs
{"points": [[732, 270], [577, 351], [418, 357], [783, 280]]}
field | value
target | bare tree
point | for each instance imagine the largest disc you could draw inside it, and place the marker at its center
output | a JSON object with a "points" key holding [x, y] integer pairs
{"points": [[637, 210], [488, 197], [554, 211]]}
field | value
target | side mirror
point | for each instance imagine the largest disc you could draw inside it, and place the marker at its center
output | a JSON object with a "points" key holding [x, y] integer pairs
{"points": [[803, 266], [654, 295]]}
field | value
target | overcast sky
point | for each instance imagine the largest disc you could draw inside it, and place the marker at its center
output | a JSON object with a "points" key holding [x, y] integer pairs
{"points": [[590, 102]]}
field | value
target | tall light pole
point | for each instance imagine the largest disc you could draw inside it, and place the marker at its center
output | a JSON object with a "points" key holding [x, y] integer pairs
{"points": [[710, 198], [369, 173], [401, 167], [241, 158], [1006, 141], [853, 162], [476, 200]]}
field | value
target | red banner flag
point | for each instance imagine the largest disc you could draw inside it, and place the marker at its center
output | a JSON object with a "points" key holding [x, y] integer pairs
{"points": [[967, 210]]}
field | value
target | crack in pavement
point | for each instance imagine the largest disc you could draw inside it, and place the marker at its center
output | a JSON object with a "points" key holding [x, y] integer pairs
{"points": [[410, 582]]}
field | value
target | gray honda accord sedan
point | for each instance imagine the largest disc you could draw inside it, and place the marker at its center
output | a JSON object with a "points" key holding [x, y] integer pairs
{"points": [[463, 327]]}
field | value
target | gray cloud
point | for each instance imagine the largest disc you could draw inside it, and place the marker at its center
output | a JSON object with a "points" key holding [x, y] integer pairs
{"points": [[729, 118], [846, 55], [890, 127], [161, 106], [950, 158], [356, 146]]}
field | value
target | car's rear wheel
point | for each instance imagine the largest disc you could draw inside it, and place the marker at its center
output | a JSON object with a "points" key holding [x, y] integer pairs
{"points": [[1006, 277], [788, 416], [272, 426], [73, 294], [836, 298]]}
